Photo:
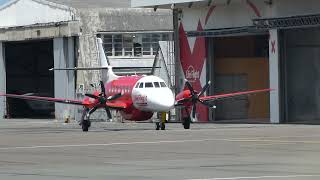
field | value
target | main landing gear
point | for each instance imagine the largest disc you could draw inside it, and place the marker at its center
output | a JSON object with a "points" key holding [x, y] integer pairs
{"points": [[85, 120], [186, 122]]}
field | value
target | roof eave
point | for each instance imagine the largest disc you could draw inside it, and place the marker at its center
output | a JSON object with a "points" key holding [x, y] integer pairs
{"points": [[160, 3]]}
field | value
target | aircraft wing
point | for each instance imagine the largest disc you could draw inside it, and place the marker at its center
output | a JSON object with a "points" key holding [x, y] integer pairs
{"points": [[46, 99], [231, 95], [112, 105], [100, 68]]}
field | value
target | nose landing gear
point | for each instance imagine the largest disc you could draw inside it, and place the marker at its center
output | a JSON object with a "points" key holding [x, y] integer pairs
{"points": [[162, 124]]}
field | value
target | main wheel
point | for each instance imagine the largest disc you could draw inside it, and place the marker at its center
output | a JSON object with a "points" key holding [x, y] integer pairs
{"points": [[186, 122], [157, 125], [85, 125]]}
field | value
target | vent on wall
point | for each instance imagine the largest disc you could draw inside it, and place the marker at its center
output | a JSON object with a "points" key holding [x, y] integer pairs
{"points": [[287, 22]]}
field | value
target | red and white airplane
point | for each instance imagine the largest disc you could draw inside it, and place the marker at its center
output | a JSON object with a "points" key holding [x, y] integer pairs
{"points": [[136, 97]]}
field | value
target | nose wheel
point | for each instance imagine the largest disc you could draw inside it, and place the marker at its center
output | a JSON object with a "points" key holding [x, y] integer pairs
{"points": [[160, 125]]}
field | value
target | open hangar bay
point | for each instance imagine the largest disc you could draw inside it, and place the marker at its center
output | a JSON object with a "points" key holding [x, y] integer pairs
{"points": [[31, 149]]}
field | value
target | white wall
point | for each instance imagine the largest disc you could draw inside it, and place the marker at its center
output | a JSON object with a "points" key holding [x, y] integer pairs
{"points": [[64, 82], [274, 76], [238, 13], [2, 82], [142, 3], [26, 12]]}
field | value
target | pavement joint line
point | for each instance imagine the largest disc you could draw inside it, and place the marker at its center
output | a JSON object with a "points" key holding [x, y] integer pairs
{"points": [[261, 177], [156, 142]]}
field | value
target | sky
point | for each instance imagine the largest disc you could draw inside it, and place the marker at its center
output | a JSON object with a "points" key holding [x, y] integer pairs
{"points": [[3, 1]]}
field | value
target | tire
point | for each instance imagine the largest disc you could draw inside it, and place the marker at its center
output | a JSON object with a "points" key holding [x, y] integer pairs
{"points": [[186, 123], [85, 125], [157, 126]]}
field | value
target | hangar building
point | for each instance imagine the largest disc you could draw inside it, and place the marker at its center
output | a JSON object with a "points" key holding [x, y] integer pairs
{"points": [[250, 44], [36, 35]]}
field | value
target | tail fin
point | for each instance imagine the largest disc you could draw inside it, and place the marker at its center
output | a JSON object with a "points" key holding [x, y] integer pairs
{"points": [[107, 74], [103, 59]]}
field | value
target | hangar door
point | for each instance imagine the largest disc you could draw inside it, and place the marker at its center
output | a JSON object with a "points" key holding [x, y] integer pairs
{"points": [[240, 64], [27, 65], [301, 72]]}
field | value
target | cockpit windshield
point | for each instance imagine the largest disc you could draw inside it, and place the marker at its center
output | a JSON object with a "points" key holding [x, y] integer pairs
{"points": [[148, 85], [163, 84], [156, 84], [151, 85]]}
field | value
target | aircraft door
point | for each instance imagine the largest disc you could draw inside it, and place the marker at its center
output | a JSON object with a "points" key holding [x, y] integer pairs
{"points": [[236, 108]]}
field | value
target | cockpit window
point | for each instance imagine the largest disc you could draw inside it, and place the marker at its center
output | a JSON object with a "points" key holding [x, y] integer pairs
{"points": [[141, 85], [156, 84], [148, 85], [137, 85], [163, 84]]}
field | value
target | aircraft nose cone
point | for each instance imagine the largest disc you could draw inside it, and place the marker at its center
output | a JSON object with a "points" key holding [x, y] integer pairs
{"points": [[164, 101]]}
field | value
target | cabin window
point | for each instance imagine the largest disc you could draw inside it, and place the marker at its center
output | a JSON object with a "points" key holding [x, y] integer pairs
{"points": [[163, 84], [137, 85], [148, 85], [156, 84], [141, 85]]}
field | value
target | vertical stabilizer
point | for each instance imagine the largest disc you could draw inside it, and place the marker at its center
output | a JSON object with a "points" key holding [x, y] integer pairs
{"points": [[108, 74]]}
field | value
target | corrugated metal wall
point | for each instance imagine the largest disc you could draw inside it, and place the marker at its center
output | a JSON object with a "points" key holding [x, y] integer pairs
{"points": [[302, 71]]}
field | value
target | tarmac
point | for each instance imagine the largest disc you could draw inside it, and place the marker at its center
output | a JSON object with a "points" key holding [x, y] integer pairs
{"points": [[47, 149]]}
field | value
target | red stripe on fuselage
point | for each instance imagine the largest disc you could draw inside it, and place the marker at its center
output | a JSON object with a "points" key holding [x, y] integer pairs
{"points": [[123, 85]]}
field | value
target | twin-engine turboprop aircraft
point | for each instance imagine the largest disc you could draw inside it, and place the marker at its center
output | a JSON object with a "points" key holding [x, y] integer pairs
{"points": [[136, 97]]}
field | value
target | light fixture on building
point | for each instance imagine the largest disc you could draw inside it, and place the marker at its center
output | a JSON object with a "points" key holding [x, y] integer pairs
{"points": [[172, 6], [269, 2]]}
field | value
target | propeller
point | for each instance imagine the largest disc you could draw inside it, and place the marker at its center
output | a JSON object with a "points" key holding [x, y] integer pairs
{"points": [[195, 97], [102, 99]]}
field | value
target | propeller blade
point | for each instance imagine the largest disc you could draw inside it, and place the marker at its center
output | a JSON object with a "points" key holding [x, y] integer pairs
{"points": [[204, 89], [108, 112], [103, 89], [190, 87], [93, 110], [194, 109], [92, 96], [205, 103], [116, 96]]}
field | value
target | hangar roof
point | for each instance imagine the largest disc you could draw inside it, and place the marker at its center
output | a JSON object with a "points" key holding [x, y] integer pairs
{"points": [[83, 3], [178, 3], [94, 3]]}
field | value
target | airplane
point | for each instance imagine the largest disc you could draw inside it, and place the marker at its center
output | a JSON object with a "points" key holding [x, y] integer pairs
{"points": [[137, 97]]}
